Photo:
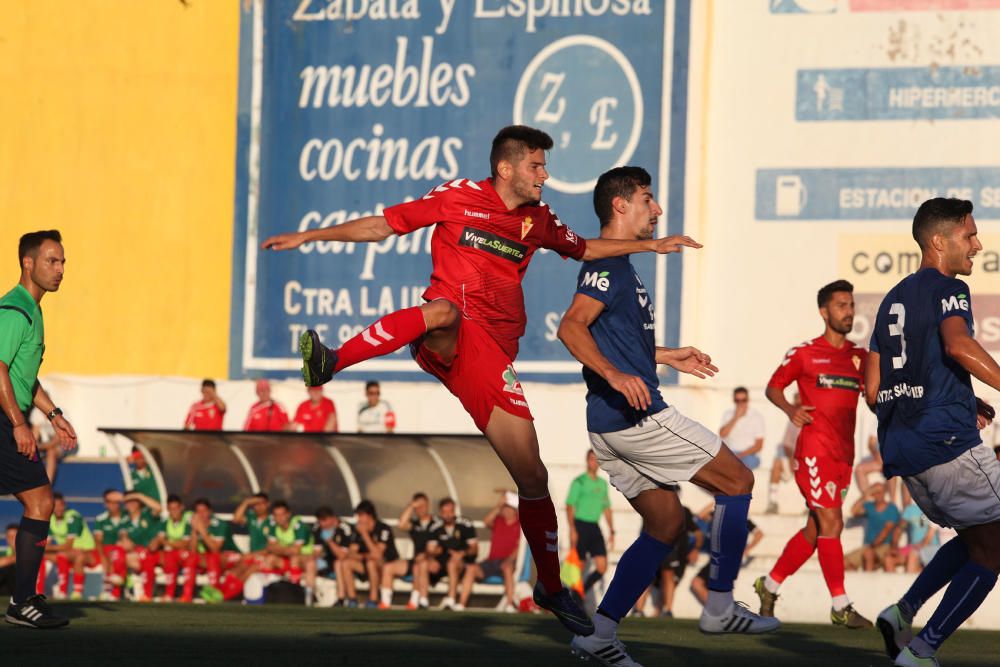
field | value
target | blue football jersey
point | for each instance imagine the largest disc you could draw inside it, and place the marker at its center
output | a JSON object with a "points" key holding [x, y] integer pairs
{"points": [[624, 333], [926, 408]]}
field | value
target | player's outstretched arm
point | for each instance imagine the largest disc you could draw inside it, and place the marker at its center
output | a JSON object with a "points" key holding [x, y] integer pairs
{"points": [[601, 248], [574, 332], [689, 360], [370, 228], [968, 353]]}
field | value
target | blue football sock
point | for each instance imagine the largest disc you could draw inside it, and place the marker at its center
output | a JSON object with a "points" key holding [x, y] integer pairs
{"points": [[946, 563], [967, 591], [636, 569], [728, 540]]}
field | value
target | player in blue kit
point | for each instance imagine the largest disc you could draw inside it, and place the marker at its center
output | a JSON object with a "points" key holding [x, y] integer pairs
{"points": [[918, 379], [645, 446]]}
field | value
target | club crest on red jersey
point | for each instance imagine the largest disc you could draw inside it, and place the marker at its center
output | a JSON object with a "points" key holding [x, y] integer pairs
{"points": [[526, 226]]}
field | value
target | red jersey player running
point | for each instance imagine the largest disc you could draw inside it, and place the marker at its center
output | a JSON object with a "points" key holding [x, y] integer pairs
{"points": [[466, 335], [829, 371]]}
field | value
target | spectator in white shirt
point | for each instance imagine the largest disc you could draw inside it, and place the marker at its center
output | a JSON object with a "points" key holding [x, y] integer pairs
{"points": [[374, 414], [743, 429]]}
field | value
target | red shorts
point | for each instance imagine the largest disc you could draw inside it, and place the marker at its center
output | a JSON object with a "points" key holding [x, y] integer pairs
{"points": [[481, 375], [822, 481]]}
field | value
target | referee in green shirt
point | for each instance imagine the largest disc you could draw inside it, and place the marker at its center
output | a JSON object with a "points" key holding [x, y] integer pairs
{"points": [[588, 498], [22, 474]]}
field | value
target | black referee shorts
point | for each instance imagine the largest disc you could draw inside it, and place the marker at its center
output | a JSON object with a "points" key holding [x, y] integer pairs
{"points": [[17, 473], [589, 539]]}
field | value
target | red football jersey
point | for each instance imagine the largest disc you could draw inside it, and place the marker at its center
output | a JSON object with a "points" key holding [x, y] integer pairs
{"points": [[313, 417], [480, 251], [269, 416], [830, 380], [204, 417]]}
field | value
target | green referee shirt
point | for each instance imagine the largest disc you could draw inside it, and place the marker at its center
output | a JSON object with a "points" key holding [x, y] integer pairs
{"points": [[22, 342], [588, 497]]}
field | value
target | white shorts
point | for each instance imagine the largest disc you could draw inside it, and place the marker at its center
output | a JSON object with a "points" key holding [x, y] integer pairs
{"points": [[663, 450], [961, 493]]}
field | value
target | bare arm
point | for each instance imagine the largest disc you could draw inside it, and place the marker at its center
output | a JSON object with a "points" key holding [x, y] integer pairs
{"points": [[601, 248], [728, 427], [858, 508], [798, 415], [153, 505], [331, 423], [370, 228], [574, 332], [64, 430], [23, 436], [968, 353], [240, 513], [404, 518], [873, 377]]}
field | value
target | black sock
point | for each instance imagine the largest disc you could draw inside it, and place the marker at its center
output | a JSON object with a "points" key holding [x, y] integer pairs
{"points": [[29, 549], [594, 577]]}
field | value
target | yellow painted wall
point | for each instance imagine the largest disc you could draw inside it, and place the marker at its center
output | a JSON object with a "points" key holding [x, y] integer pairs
{"points": [[118, 127]]}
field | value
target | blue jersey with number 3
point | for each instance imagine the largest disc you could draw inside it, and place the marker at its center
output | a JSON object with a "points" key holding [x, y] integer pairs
{"points": [[624, 333], [926, 408]]}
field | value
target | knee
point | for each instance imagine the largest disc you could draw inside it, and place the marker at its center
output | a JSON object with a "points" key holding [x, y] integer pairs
{"points": [[39, 507], [831, 527], [533, 481], [744, 481], [440, 314], [666, 529]]}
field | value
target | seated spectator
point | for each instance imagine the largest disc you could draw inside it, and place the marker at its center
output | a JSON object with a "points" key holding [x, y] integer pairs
{"points": [[266, 414], [136, 535], [206, 414], [70, 546], [142, 477], [7, 560], [921, 536], [254, 513], [290, 545], [699, 585], [505, 536], [331, 538], [453, 543], [881, 518], [215, 550], [784, 454], [372, 545], [174, 542], [374, 414], [743, 429], [417, 520], [106, 528], [317, 414]]}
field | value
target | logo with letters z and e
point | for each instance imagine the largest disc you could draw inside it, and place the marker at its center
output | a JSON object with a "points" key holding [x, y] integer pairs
{"points": [[594, 279], [825, 381], [959, 302], [512, 251]]}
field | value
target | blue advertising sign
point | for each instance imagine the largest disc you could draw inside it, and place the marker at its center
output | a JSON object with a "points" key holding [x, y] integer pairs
{"points": [[898, 93], [347, 108], [871, 194]]}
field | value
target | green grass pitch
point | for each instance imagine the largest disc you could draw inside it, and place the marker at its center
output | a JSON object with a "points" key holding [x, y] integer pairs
{"points": [[147, 635]]}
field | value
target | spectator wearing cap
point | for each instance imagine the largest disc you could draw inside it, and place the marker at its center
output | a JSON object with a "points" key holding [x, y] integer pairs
{"points": [[206, 414], [316, 414], [266, 414]]}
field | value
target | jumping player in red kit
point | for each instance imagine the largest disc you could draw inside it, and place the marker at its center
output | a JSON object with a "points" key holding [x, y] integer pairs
{"points": [[829, 371], [466, 335]]}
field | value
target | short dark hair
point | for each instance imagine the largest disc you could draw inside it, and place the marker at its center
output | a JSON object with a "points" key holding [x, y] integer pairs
{"points": [[826, 291], [445, 501], [280, 504], [58, 496], [108, 492], [366, 507], [741, 390], [617, 182], [934, 215], [324, 512], [32, 241], [370, 384], [202, 501], [263, 496], [513, 141], [419, 495], [174, 498], [208, 383]]}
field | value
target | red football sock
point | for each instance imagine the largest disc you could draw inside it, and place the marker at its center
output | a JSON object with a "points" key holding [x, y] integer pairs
{"points": [[78, 578], [295, 574], [796, 553], [148, 565], [831, 561], [40, 583], [213, 565], [190, 576], [384, 336], [62, 569], [538, 523], [171, 563]]}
